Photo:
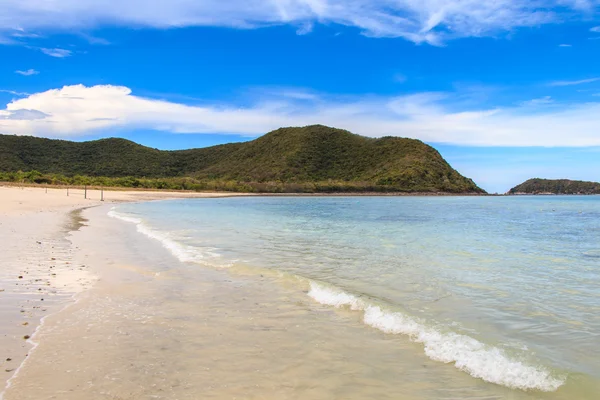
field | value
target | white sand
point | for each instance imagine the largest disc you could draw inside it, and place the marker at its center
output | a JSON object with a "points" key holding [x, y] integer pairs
{"points": [[38, 275], [19, 201]]}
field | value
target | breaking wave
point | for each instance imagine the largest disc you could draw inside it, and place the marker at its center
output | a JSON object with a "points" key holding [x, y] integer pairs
{"points": [[184, 253], [489, 363]]}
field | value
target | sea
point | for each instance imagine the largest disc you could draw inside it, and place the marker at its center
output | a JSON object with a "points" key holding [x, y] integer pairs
{"points": [[381, 297]]}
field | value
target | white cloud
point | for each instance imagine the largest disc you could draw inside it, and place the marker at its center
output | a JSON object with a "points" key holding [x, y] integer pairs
{"points": [[79, 110], [292, 93], [28, 72], [572, 83], [21, 34], [538, 102], [23, 115], [595, 29], [14, 93], [94, 40], [565, 45], [431, 21], [305, 29], [59, 53], [75, 110]]}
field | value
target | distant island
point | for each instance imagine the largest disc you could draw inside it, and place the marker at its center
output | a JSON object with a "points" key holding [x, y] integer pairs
{"points": [[311, 159], [555, 186]]}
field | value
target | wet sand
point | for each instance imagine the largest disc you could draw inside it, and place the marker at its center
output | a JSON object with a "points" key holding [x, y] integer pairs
{"points": [[38, 273]]}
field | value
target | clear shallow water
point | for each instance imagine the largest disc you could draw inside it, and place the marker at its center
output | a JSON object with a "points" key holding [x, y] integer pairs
{"points": [[505, 289]]}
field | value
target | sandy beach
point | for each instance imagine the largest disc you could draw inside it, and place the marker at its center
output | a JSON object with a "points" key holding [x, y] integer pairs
{"points": [[156, 300], [123, 319], [38, 274]]}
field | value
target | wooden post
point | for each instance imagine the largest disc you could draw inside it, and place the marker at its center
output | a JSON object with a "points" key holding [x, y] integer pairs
{"points": [[85, 192], [67, 191], [102, 193]]}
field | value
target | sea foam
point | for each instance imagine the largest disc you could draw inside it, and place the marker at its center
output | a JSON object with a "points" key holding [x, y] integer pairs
{"points": [[489, 363], [184, 253]]}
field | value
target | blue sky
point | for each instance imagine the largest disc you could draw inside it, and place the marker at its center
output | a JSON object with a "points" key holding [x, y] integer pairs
{"points": [[505, 90]]}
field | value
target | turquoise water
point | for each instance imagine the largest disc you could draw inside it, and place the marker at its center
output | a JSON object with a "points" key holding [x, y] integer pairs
{"points": [[506, 289]]}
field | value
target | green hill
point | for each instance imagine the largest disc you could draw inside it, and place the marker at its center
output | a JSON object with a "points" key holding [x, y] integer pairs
{"points": [[556, 186], [312, 158]]}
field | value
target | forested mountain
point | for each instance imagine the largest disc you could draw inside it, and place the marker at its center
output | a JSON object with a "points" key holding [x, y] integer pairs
{"points": [[556, 186], [311, 158]]}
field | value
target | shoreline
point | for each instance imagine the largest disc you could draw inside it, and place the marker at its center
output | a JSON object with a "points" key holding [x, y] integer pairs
{"points": [[98, 346], [129, 300], [112, 333], [39, 278], [191, 193]]}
